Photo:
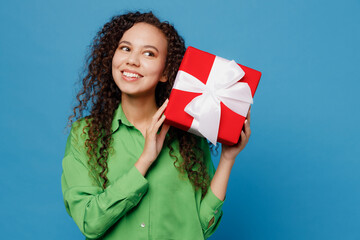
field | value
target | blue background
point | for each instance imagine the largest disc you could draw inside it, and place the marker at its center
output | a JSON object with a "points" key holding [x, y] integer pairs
{"points": [[299, 176]]}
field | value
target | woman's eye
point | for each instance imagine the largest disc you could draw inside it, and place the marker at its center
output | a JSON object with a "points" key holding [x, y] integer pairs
{"points": [[124, 48], [150, 54]]}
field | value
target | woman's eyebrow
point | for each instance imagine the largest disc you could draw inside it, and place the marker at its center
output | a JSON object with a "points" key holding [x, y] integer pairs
{"points": [[150, 46], [145, 46], [126, 42]]}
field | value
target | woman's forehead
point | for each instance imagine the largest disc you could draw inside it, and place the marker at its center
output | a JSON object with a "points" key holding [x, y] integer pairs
{"points": [[142, 34]]}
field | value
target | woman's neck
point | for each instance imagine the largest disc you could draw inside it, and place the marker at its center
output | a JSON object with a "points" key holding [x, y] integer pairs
{"points": [[139, 110]]}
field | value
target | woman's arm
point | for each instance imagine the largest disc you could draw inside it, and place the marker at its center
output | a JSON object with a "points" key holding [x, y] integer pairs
{"points": [[93, 208], [220, 179], [227, 159]]}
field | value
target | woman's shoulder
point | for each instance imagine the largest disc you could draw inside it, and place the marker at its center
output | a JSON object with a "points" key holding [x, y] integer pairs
{"points": [[76, 140], [79, 128]]}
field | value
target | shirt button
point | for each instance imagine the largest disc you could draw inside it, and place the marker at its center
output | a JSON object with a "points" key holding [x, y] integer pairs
{"points": [[216, 211], [142, 225]]}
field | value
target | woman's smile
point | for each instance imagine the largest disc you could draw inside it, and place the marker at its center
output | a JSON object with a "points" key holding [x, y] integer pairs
{"points": [[130, 76]]}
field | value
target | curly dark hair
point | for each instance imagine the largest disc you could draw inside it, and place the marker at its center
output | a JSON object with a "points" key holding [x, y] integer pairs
{"points": [[100, 93]]}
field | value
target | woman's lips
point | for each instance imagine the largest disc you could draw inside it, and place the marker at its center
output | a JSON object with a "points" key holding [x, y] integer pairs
{"points": [[130, 75]]}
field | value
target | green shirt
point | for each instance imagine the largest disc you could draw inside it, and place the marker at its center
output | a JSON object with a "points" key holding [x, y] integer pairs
{"points": [[161, 205]]}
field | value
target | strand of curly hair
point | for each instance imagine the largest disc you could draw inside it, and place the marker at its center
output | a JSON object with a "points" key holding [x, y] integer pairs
{"points": [[100, 93]]}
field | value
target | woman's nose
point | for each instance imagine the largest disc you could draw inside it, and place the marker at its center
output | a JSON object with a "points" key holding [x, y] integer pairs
{"points": [[133, 59]]}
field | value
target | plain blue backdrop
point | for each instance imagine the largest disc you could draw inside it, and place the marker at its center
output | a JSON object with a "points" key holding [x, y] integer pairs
{"points": [[299, 176]]}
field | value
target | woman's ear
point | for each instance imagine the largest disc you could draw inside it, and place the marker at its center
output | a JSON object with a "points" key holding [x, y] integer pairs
{"points": [[163, 78]]}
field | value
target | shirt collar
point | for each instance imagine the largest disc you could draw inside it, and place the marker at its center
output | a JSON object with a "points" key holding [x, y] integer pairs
{"points": [[119, 118]]}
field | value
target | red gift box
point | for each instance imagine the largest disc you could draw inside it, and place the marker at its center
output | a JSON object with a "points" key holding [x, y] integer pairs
{"points": [[198, 66]]}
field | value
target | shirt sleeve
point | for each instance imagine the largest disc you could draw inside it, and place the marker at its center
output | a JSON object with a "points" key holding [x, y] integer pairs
{"points": [[211, 205], [94, 209]]}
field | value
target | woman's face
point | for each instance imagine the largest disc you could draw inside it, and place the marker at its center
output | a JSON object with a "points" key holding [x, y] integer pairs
{"points": [[139, 61]]}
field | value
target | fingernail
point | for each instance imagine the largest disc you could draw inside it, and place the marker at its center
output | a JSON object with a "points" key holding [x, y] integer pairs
{"points": [[246, 121]]}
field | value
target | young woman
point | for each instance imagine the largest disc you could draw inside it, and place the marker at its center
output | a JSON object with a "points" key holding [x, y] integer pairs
{"points": [[126, 175]]}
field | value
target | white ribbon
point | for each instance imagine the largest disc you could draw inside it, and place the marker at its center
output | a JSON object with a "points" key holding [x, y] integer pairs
{"points": [[222, 86]]}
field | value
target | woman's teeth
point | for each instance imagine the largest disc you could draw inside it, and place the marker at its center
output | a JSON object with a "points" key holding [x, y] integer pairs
{"points": [[127, 74]]}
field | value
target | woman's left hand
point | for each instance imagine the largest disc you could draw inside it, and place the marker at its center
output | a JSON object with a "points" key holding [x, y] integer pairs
{"points": [[229, 153]]}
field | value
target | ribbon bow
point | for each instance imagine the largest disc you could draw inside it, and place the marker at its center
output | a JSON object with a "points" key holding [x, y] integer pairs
{"points": [[222, 86]]}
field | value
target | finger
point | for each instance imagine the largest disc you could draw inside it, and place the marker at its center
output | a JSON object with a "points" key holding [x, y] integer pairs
{"points": [[164, 130], [248, 115], [247, 128], [244, 139], [240, 139], [160, 111], [158, 123], [155, 125]]}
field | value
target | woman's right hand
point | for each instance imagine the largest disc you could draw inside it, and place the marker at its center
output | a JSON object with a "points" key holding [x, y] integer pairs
{"points": [[153, 141]]}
